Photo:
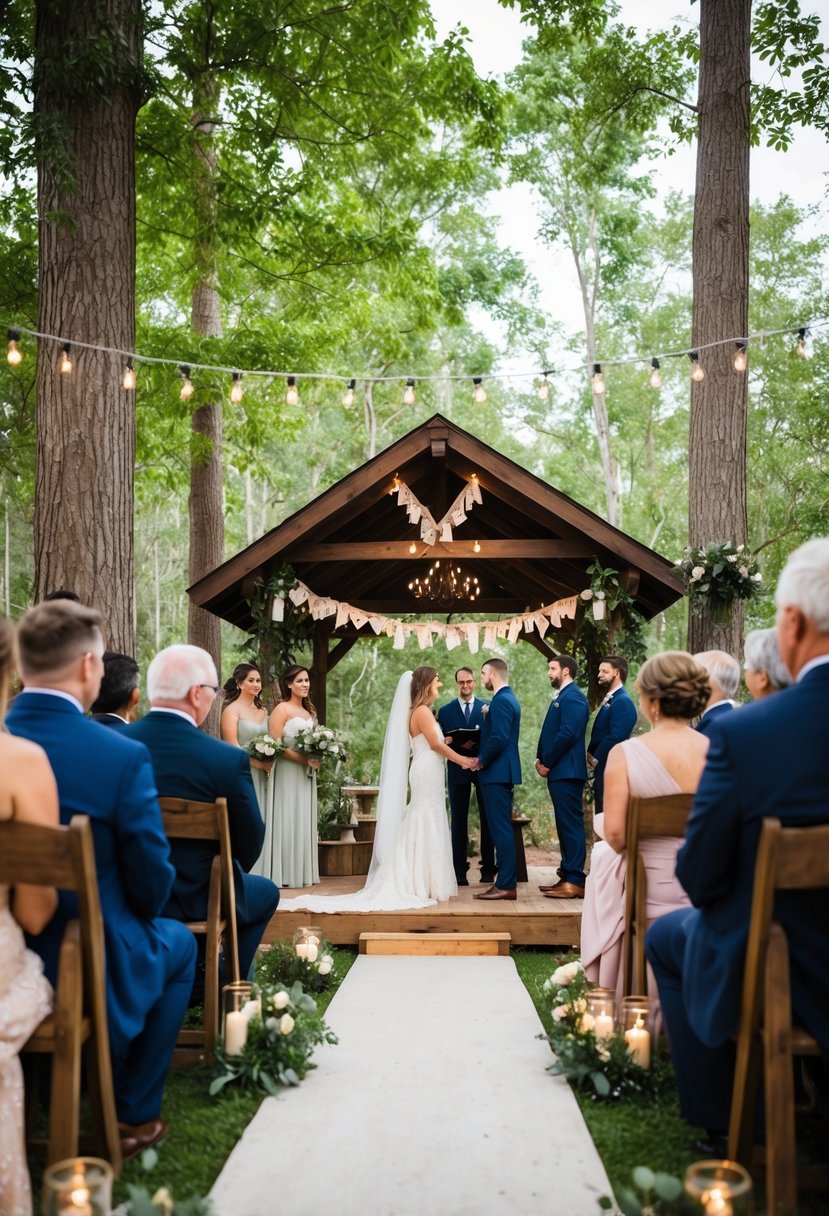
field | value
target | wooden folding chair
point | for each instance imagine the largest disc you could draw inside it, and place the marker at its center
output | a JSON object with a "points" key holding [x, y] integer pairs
{"points": [[76, 1031], [185, 819], [646, 818], [788, 859]]}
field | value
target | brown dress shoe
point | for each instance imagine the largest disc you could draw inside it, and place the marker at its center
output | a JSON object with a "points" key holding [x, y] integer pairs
{"points": [[552, 886], [135, 1139], [498, 893], [565, 890]]}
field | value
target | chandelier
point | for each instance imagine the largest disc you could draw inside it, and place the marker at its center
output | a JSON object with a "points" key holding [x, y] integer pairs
{"points": [[445, 584]]}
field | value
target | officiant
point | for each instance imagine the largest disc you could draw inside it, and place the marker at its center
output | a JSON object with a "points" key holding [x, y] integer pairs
{"points": [[464, 714]]}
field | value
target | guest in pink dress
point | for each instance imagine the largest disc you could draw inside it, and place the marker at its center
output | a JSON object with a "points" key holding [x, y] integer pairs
{"points": [[668, 760]]}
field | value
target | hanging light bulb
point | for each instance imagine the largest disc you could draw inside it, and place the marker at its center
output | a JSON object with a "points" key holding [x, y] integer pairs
{"points": [[697, 372], [395, 485], [598, 380], [65, 365], [129, 377], [476, 548], [348, 395], [413, 548], [292, 395], [236, 390], [656, 375], [478, 392], [186, 390], [15, 354], [800, 349], [740, 362], [409, 395], [544, 387]]}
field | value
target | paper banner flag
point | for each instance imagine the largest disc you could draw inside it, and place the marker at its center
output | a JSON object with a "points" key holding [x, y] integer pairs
{"points": [[446, 532], [472, 637], [541, 623], [278, 609], [453, 638], [399, 637], [458, 517], [414, 514], [424, 636], [358, 618], [475, 490], [298, 594], [377, 623], [490, 635], [514, 629], [428, 533], [529, 623]]}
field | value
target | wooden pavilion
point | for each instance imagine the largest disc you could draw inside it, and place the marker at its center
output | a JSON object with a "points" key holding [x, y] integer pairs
{"points": [[527, 544]]}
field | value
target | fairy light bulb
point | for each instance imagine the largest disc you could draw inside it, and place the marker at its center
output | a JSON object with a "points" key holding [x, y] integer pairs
{"points": [[413, 548], [478, 392], [544, 388], [395, 485], [697, 373], [409, 396], [476, 548], [740, 361], [15, 354], [348, 395], [236, 390], [656, 375], [186, 391], [800, 349], [292, 394], [65, 365], [129, 377], [598, 380]]}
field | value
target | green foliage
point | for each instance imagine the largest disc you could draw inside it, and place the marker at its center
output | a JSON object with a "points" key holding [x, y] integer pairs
{"points": [[279, 965], [717, 574], [276, 644]]}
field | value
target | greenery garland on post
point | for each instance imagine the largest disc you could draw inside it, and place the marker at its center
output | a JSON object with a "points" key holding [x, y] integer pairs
{"points": [[276, 643]]}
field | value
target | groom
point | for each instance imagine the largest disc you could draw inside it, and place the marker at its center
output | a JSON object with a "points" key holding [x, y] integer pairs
{"points": [[499, 769]]}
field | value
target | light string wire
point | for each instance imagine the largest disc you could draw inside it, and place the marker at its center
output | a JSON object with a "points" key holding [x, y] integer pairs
{"points": [[547, 370]]}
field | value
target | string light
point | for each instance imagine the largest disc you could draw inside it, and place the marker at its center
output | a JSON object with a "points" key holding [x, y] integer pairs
{"points": [[697, 372], [598, 380], [65, 365], [544, 387], [129, 377], [348, 395], [395, 485], [740, 361], [186, 391], [291, 394], [800, 349], [15, 354], [656, 376], [409, 395], [413, 548], [476, 548], [478, 392], [236, 390]]}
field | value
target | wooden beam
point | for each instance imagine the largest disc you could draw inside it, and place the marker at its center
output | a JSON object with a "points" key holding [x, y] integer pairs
{"points": [[400, 550], [341, 650], [538, 643]]}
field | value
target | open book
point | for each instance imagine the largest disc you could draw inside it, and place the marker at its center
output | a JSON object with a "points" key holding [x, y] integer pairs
{"points": [[466, 739]]}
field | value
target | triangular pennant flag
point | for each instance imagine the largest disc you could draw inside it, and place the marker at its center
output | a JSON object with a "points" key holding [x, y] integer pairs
{"points": [[358, 618], [514, 629], [399, 637], [298, 594], [490, 635], [424, 636], [377, 623], [472, 637], [452, 637], [343, 613]]}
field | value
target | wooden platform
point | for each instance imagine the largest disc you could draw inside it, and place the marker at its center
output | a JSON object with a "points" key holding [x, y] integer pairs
{"points": [[434, 945], [531, 920]]}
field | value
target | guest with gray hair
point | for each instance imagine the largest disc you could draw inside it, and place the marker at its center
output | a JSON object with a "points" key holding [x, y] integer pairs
{"points": [[763, 669], [724, 678]]}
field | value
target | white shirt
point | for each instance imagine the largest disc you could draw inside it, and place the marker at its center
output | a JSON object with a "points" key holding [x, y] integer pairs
{"points": [[818, 662]]}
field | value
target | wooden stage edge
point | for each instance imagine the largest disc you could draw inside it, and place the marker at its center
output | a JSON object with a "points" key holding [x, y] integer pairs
{"points": [[531, 920]]}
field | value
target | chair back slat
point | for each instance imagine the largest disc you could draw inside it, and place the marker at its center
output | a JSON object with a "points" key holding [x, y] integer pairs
{"points": [[801, 858], [42, 856]]}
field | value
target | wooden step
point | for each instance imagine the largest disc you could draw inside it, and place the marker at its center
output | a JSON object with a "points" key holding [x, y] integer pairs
{"points": [[431, 944]]}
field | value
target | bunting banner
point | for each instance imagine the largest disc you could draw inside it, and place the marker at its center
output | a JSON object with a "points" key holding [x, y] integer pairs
{"points": [[432, 530]]}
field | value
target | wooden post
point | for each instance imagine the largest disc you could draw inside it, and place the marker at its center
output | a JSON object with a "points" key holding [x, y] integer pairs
{"points": [[319, 667]]}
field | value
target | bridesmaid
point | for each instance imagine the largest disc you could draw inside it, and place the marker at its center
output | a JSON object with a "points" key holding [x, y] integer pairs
{"points": [[290, 855], [244, 717]]}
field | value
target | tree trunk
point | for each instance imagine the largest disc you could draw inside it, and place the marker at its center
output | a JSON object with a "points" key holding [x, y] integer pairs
{"points": [[717, 440], [206, 513], [85, 457]]}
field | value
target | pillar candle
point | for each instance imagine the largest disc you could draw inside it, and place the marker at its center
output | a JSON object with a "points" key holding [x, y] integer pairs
{"points": [[639, 1044], [603, 1026], [236, 1033]]}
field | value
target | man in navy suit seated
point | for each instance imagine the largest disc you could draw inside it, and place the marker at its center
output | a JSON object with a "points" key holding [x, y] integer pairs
{"points": [[499, 770], [724, 678], [465, 711], [770, 759], [613, 723], [181, 684], [150, 961], [561, 760], [118, 695]]}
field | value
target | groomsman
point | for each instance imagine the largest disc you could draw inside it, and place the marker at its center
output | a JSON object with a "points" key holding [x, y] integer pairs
{"points": [[724, 678], [614, 721], [499, 768], [561, 760], [465, 711]]}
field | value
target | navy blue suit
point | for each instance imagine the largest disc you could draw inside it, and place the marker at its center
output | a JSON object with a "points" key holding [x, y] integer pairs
{"points": [[460, 782], [561, 750], [149, 960], [613, 724], [110, 720], [768, 759], [500, 772], [191, 764], [705, 726]]}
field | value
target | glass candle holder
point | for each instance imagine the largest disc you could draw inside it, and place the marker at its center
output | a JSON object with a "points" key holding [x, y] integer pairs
{"points": [[307, 940], [236, 998], [721, 1188], [80, 1186], [601, 1005], [635, 1011]]}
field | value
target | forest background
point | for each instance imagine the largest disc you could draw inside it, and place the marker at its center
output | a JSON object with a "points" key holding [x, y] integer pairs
{"points": [[313, 189]]}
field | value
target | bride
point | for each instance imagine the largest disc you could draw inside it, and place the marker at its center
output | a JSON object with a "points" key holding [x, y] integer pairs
{"points": [[411, 865]]}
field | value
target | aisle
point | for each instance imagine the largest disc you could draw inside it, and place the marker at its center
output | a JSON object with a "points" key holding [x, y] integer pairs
{"points": [[435, 1103]]}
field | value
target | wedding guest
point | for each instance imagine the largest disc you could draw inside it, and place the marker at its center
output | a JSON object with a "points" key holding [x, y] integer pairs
{"points": [[672, 689], [499, 768], [181, 685], [465, 712], [119, 693], [244, 718], [770, 759], [102, 774], [28, 794], [290, 854], [614, 721], [724, 678], [560, 759], [764, 671]]}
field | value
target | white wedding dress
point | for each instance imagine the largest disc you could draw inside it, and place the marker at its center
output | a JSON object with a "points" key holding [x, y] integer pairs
{"points": [[411, 866]]}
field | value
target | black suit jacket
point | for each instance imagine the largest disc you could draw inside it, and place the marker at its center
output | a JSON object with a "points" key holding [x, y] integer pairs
{"points": [[110, 720]]}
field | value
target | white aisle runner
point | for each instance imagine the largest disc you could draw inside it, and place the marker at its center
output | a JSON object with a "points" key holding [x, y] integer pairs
{"points": [[435, 1102]]}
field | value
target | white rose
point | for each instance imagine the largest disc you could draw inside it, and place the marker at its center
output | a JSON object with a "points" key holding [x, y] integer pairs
{"points": [[586, 1022], [580, 1006], [286, 1024], [732, 557], [600, 595], [565, 974], [704, 586], [587, 594], [326, 965], [280, 1000], [740, 548], [163, 1200], [697, 572], [757, 578], [560, 1012], [742, 571]]}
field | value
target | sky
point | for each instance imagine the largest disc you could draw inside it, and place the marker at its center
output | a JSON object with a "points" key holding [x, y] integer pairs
{"points": [[496, 36]]}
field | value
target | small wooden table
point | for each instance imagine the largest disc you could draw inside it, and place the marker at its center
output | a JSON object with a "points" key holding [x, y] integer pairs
{"points": [[519, 822], [364, 796]]}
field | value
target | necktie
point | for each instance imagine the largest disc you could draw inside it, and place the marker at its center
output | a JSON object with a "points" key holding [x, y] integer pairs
{"points": [[467, 712]]}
